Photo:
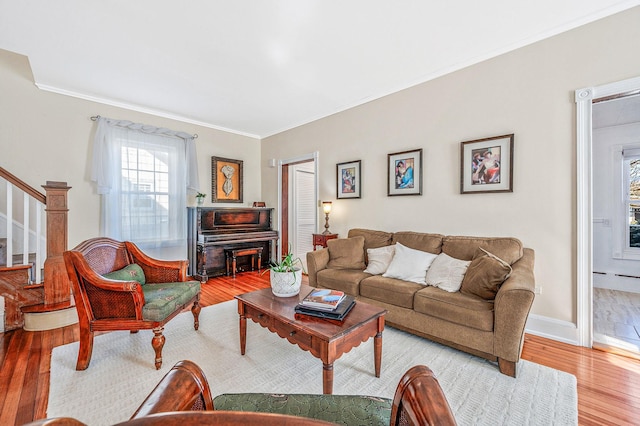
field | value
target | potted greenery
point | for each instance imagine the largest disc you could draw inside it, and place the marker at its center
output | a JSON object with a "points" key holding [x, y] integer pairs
{"points": [[286, 276], [200, 197]]}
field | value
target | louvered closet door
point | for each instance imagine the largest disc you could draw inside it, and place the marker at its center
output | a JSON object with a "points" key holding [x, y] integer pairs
{"points": [[304, 210]]}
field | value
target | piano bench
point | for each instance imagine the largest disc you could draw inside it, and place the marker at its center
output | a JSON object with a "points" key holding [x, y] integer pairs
{"points": [[233, 254]]}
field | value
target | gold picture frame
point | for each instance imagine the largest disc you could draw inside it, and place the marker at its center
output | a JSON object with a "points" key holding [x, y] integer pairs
{"points": [[226, 180]]}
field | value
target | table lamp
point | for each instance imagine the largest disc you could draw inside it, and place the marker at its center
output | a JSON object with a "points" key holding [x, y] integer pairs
{"points": [[326, 207]]}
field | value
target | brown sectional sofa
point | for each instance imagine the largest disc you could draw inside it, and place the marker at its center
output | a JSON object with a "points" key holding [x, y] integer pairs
{"points": [[489, 328]]}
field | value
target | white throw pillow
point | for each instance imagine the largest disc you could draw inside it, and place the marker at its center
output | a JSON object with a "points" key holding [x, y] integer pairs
{"points": [[379, 259], [409, 264], [447, 272]]}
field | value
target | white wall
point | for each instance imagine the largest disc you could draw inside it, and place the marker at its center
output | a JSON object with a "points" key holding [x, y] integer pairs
{"points": [[46, 136], [604, 181], [529, 92]]}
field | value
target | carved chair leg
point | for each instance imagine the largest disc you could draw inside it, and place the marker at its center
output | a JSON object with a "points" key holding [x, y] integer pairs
{"points": [[195, 310], [158, 342], [86, 349], [507, 367]]}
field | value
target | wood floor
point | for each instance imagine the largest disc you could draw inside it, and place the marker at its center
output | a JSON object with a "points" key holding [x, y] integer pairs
{"points": [[608, 384]]}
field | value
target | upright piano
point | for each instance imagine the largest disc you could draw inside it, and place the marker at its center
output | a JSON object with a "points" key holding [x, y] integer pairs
{"points": [[212, 230]]}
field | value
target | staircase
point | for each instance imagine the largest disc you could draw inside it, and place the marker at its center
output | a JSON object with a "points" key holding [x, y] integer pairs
{"points": [[34, 290]]}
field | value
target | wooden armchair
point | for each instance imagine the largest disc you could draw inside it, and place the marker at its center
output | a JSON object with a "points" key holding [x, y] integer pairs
{"points": [[418, 400], [118, 287]]}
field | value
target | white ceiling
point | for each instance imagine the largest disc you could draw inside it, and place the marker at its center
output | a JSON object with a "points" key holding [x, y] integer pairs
{"points": [[263, 66]]}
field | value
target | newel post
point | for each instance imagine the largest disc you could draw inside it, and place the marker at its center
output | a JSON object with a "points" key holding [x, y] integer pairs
{"points": [[57, 287]]}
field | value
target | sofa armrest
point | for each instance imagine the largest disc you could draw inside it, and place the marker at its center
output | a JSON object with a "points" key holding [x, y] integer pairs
{"points": [[512, 305], [316, 262]]}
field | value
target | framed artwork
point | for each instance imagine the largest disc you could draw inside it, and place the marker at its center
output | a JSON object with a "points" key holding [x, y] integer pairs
{"points": [[487, 165], [349, 178], [404, 173], [226, 180]]}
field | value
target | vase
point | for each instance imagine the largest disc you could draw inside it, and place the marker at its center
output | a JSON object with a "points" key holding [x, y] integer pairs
{"points": [[200, 200], [285, 284]]}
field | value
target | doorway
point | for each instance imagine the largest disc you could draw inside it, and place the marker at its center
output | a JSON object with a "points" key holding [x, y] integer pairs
{"points": [[586, 99], [616, 210], [297, 194]]}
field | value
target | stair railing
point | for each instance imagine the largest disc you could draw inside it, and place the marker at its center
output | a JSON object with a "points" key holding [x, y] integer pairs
{"points": [[46, 238], [33, 234]]}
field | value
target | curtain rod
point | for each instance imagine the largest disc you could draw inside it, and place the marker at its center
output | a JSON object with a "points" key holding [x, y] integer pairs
{"points": [[95, 117]]}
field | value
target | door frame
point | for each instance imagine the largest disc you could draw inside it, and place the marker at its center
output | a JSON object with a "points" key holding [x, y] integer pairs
{"points": [[584, 202], [283, 194]]}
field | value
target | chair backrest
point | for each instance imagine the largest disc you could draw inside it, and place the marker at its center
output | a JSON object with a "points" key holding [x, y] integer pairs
{"points": [[104, 255], [183, 388], [85, 264], [419, 400]]}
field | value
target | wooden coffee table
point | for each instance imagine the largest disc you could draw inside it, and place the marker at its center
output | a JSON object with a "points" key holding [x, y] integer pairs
{"points": [[324, 339]]}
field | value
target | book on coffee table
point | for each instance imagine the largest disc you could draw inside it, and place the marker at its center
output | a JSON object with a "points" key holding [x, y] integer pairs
{"points": [[323, 299], [339, 313]]}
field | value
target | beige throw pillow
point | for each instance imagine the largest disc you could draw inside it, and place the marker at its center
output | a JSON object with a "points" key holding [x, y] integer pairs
{"points": [[409, 264], [484, 275], [447, 272], [379, 259], [346, 253]]}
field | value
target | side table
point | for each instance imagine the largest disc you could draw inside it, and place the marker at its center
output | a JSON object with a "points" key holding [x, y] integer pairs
{"points": [[321, 239]]}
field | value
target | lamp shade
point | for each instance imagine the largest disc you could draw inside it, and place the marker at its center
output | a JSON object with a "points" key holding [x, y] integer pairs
{"points": [[326, 207]]}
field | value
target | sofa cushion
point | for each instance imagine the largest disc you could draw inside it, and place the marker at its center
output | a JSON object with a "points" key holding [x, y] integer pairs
{"points": [[459, 308], [431, 243], [484, 275], [409, 264], [161, 300], [341, 409], [447, 272], [372, 239], [347, 280], [346, 253], [379, 259], [461, 247], [389, 290], [132, 272]]}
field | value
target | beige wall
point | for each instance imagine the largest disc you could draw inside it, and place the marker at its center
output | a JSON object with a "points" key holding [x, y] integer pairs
{"points": [[47, 136], [529, 92]]}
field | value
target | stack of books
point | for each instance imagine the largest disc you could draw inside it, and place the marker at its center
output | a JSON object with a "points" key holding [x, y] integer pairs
{"points": [[325, 303]]}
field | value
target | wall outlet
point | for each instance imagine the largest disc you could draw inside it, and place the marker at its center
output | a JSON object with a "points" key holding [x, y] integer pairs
{"points": [[538, 290]]}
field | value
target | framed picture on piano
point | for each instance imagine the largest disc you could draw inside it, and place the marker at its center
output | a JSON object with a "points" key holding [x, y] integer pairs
{"points": [[226, 180]]}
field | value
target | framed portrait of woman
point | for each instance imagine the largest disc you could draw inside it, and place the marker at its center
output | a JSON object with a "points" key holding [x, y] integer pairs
{"points": [[349, 178], [404, 173], [487, 165]]}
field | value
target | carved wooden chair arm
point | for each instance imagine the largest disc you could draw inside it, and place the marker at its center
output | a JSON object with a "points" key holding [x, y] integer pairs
{"points": [[419, 400], [157, 270], [106, 297], [183, 388]]}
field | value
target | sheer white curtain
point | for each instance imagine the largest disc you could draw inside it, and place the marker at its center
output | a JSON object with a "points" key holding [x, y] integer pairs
{"points": [[143, 174]]}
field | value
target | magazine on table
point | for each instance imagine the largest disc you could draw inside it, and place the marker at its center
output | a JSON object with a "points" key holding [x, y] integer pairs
{"points": [[337, 314], [323, 299]]}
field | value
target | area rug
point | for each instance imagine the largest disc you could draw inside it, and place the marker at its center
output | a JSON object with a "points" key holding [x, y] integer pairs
{"points": [[121, 373]]}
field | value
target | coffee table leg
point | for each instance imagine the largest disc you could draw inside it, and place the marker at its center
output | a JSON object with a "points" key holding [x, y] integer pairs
{"points": [[377, 346], [243, 328], [327, 379]]}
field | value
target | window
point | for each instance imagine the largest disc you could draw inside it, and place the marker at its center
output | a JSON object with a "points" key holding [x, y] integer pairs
{"points": [[143, 177], [632, 200], [626, 223]]}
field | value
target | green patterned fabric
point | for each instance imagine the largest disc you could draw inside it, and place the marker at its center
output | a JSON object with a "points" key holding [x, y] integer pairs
{"points": [[339, 409], [132, 272], [161, 300]]}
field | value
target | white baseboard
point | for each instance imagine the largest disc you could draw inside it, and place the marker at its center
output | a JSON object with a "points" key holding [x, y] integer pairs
{"points": [[551, 328]]}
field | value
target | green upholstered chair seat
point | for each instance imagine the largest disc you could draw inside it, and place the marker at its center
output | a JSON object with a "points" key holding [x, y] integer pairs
{"points": [[161, 300], [339, 409]]}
